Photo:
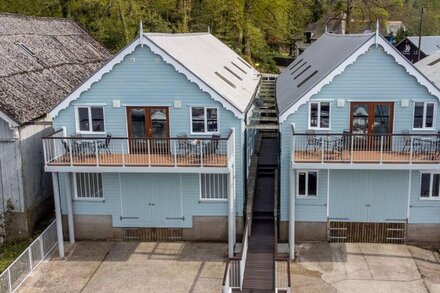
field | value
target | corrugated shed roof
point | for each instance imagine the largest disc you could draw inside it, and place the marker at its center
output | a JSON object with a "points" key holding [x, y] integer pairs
{"points": [[430, 44], [430, 67], [314, 64], [214, 63], [41, 61]]}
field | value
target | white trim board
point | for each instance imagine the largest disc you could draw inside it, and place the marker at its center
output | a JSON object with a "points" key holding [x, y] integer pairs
{"points": [[8, 120], [388, 48], [118, 58]]}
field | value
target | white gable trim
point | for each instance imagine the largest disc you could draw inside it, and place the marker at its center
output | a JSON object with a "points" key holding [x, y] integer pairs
{"points": [[97, 76], [398, 57], [8, 120]]}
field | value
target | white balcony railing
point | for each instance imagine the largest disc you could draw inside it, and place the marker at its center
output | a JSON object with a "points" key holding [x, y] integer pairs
{"points": [[75, 151], [366, 148]]}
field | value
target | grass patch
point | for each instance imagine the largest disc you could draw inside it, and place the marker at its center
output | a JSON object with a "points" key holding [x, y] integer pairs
{"points": [[10, 251]]}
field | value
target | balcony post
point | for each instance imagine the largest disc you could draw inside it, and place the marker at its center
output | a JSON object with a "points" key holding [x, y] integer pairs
{"points": [[175, 152], [411, 150], [69, 207], [322, 150], [292, 197], [351, 148], [70, 152], [44, 151], [96, 153], [381, 149], [56, 195], [201, 153], [148, 152], [123, 153]]}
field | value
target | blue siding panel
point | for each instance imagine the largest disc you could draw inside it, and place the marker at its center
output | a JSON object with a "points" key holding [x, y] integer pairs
{"points": [[374, 76], [147, 80], [422, 211]]}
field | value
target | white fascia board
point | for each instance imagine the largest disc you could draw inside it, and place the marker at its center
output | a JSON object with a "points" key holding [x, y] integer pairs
{"points": [[10, 122], [193, 78], [389, 49], [97, 76], [120, 57]]}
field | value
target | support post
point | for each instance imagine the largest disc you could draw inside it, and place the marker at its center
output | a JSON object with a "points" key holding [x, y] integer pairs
{"points": [[56, 195], [292, 197], [69, 207], [231, 216]]}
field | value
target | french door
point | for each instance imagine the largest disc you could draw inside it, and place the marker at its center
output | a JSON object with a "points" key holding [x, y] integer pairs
{"points": [[148, 122], [371, 120]]}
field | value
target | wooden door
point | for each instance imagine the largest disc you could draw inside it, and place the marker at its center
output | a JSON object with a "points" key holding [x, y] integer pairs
{"points": [[148, 124], [371, 120]]}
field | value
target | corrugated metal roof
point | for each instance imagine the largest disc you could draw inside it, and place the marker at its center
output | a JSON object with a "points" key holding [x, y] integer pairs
{"points": [[430, 44], [41, 61], [430, 67], [214, 63], [317, 61]]}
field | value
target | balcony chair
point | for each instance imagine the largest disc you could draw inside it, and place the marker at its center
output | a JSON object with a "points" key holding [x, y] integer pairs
{"points": [[211, 147], [104, 145], [341, 144], [313, 141], [185, 147]]}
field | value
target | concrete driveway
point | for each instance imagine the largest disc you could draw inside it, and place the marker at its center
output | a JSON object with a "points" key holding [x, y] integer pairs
{"points": [[365, 267], [108, 266]]}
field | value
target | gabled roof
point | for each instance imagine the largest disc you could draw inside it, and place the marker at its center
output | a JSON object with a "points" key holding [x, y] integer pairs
{"points": [[202, 58], [430, 67], [42, 60], [429, 45], [327, 58], [316, 62]]}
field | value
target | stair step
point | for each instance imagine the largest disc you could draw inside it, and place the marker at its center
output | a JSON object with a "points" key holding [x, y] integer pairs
{"points": [[265, 111]]}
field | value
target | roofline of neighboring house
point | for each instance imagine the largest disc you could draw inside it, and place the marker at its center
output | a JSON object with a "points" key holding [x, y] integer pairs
{"points": [[389, 49], [417, 45], [118, 58], [9, 120]]}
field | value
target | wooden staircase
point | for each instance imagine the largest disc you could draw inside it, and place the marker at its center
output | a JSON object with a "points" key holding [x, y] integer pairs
{"points": [[267, 120]]}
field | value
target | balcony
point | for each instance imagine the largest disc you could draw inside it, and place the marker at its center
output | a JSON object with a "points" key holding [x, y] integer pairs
{"points": [[126, 154], [392, 151]]}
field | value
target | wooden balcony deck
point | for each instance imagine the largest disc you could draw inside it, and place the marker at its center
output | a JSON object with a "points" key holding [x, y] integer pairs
{"points": [[388, 157], [141, 160]]}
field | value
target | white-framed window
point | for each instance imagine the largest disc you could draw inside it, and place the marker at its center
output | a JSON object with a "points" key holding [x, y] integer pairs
{"points": [[424, 115], [88, 186], [214, 187], [90, 119], [429, 185], [204, 120], [307, 183], [319, 115]]}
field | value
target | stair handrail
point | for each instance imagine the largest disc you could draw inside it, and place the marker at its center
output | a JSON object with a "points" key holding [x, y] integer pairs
{"points": [[278, 258], [228, 278]]}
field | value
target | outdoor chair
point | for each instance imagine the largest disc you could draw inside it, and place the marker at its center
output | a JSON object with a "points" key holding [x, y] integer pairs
{"points": [[211, 147], [184, 146], [406, 141], [312, 141], [104, 145]]}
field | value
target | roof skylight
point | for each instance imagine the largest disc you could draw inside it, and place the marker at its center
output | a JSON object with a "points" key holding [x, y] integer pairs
{"points": [[26, 50], [434, 62], [307, 78], [293, 72], [239, 68], [233, 73], [225, 80], [296, 63], [244, 62], [299, 74]]}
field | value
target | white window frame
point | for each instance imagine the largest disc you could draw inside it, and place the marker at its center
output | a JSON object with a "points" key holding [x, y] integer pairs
{"points": [[431, 183], [201, 199], [434, 118], [89, 107], [307, 185], [205, 120], [319, 115], [75, 189]]}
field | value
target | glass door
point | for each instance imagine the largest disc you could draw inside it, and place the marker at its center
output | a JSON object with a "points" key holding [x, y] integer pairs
{"points": [[371, 120], [148, 122]]}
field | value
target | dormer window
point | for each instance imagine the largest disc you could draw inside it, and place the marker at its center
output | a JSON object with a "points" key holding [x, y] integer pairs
{"points": [[90, 119]]}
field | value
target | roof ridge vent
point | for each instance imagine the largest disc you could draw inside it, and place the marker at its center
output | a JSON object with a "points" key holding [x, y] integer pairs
{"points": [[26, 50]]}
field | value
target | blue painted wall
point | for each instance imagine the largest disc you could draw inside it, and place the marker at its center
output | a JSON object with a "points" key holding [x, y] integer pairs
{"points": [[422, 211], [147, 80], [375, 76], [129, 195]]}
